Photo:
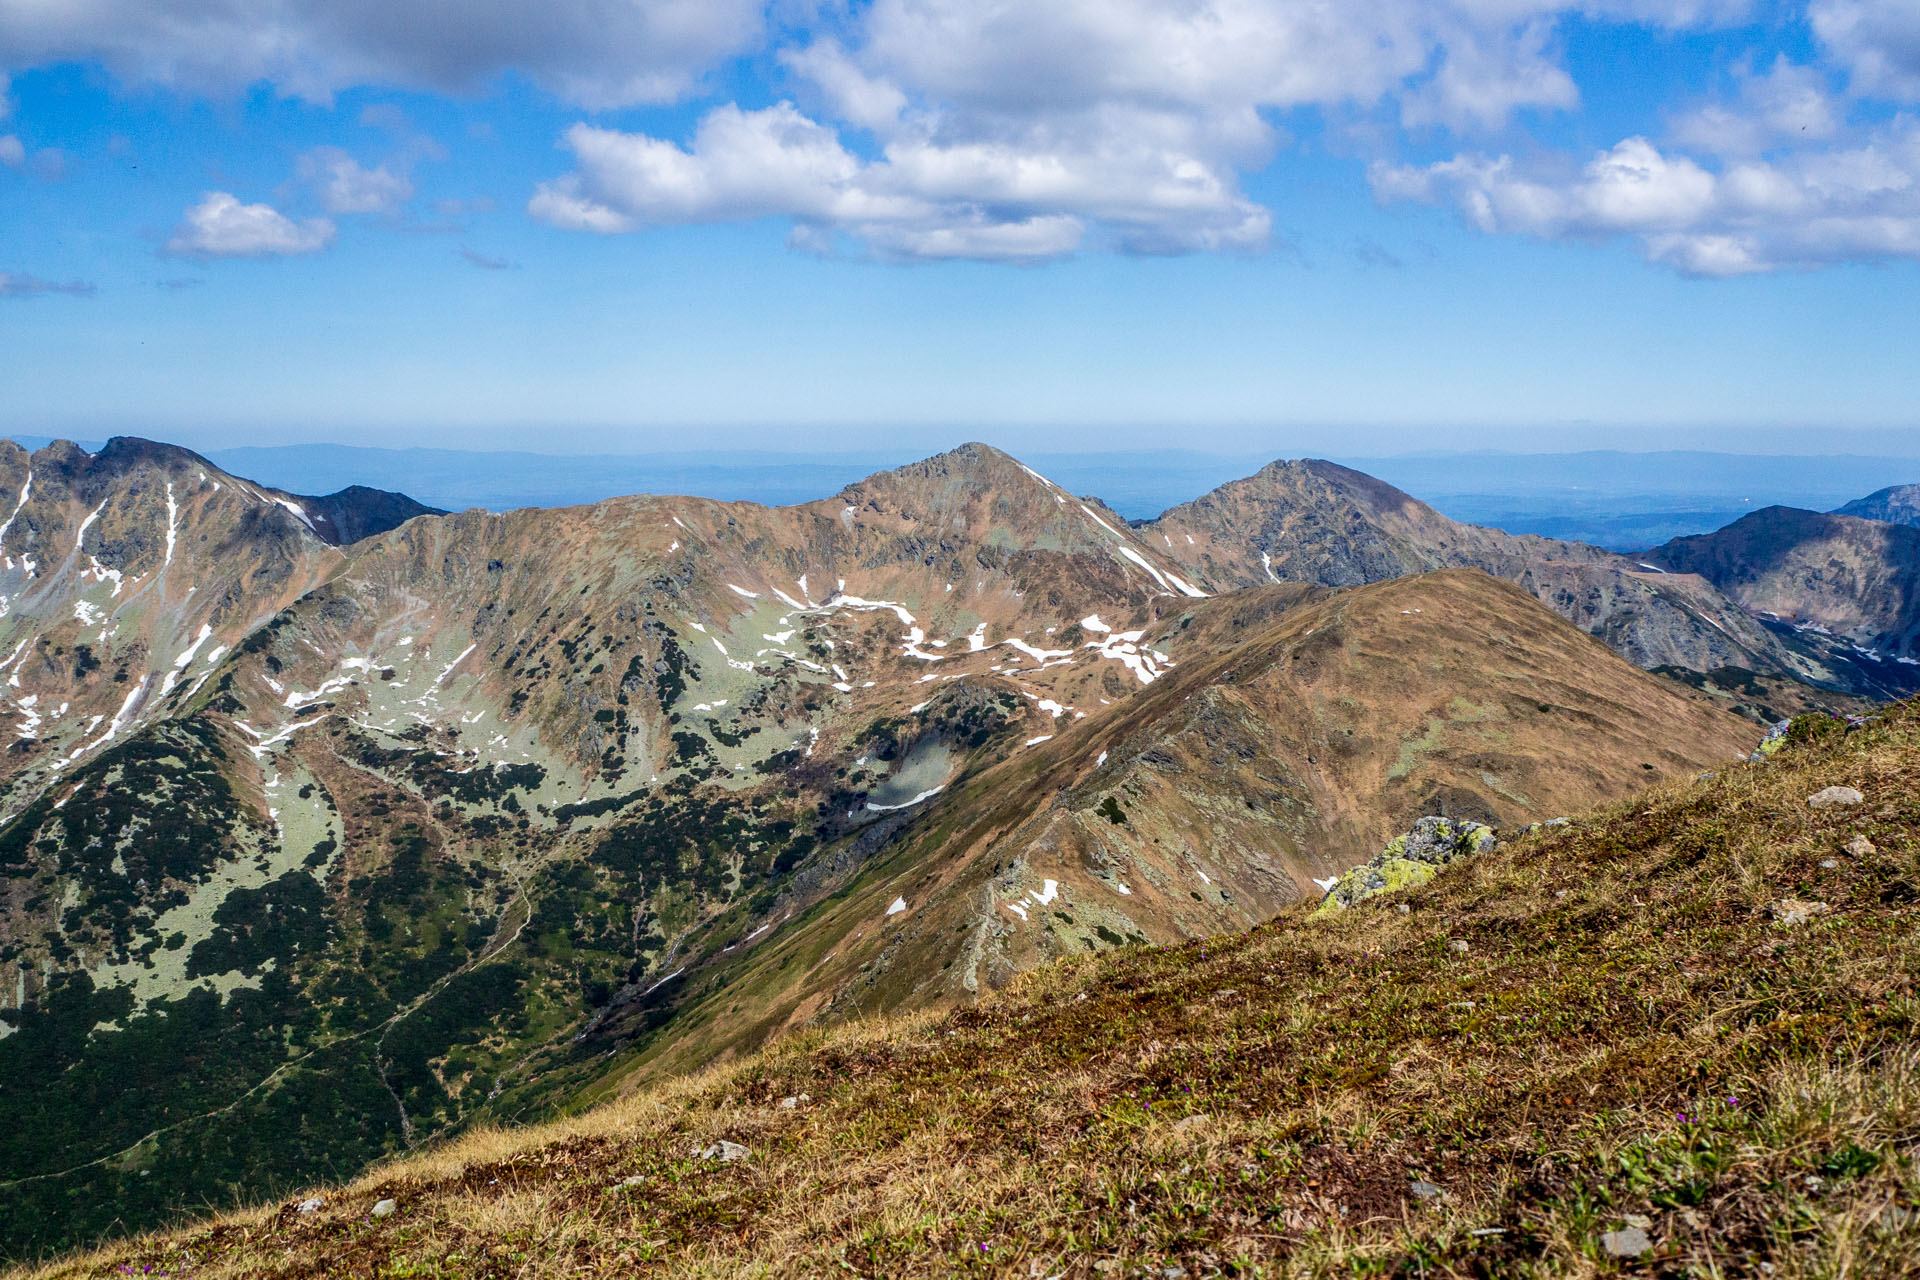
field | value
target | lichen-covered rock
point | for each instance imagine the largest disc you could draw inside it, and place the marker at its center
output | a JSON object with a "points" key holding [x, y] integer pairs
{"points": [[1773, 743], [1410, 859]]}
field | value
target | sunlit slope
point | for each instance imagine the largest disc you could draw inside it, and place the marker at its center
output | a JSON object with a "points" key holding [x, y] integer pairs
{"points": [[1315, 521], [1676, 1035], [1303, 732]]}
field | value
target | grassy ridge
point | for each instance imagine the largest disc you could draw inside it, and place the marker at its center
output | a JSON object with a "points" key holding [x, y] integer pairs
{"points": [[1603, 1027]]}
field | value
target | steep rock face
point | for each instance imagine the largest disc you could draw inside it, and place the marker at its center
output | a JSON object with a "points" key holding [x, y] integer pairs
{"points": [[124, 576], [1896, 504], [1315, 521], [1855, 579]]}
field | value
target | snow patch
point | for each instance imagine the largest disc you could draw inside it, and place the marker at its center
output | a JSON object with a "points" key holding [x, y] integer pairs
{"points": [[26, 491], [924, 795], [173, 524]]}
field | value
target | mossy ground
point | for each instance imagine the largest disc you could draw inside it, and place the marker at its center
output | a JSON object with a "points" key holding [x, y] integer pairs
{"points": [[1628, 1035]]}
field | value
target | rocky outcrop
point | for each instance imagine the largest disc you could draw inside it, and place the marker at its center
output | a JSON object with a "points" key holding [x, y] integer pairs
{"points": [[1410, 859]]}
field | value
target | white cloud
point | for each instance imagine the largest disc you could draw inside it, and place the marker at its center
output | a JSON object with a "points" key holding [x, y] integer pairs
{"points": [[596, 53], [1787, 105], [1878, 41], [222, 227], [1008, 130], [1018, 131], [12, 153], [1023, 197], [1810, 207], [1480, 83], [344, 186]]}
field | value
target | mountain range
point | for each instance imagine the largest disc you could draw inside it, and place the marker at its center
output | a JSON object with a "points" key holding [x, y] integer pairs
{"points": [[332, 825]]}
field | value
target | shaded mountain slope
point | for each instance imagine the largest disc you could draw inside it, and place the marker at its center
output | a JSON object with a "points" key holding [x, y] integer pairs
{"points": [[1896, 504], [1855, 579], [357, 512], [1314, 521], [1619, 1027]]}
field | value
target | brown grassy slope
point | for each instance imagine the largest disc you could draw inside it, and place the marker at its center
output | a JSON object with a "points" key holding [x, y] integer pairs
{"points": [[1576, 1030], [1255, 767]]}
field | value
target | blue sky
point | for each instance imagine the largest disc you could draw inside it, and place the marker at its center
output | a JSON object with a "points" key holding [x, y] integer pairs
{"points": [[611, 225]]}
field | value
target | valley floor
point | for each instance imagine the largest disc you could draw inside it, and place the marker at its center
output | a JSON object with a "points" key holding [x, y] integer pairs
{"points": [[1677, 1036]]}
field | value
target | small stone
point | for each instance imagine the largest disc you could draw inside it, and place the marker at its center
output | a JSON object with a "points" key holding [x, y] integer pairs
{"points": [[1861, 847], [1633, 1242], [1458, 946], [632, 1180], [1403, 909], [310, 1205], [1789, 912], [1828, 863], [1426, 1191], [1468, 1005], [384, 1207], [790, 1104], [1834, 797], [725, 1152], [1639, 1220]]}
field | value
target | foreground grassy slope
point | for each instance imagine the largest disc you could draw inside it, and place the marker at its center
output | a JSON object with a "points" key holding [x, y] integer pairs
{"points": [[1608, 1027]]}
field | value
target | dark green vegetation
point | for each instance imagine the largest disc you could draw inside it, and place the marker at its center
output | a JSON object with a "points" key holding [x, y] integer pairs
{"points": [[368, 1003], [1693, 1014]]}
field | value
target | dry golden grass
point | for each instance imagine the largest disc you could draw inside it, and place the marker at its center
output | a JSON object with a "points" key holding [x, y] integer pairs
{"points": [[1630, 1037]]}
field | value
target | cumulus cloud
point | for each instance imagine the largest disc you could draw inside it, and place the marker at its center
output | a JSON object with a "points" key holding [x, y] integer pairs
{"points": [[1787, 104], [21, 286], [222, 227], [1878, 41], [344, 186], [596, 53], [1017, 131], [12, 153], [1027, 196], [1802, 209], [1012, 131]]}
